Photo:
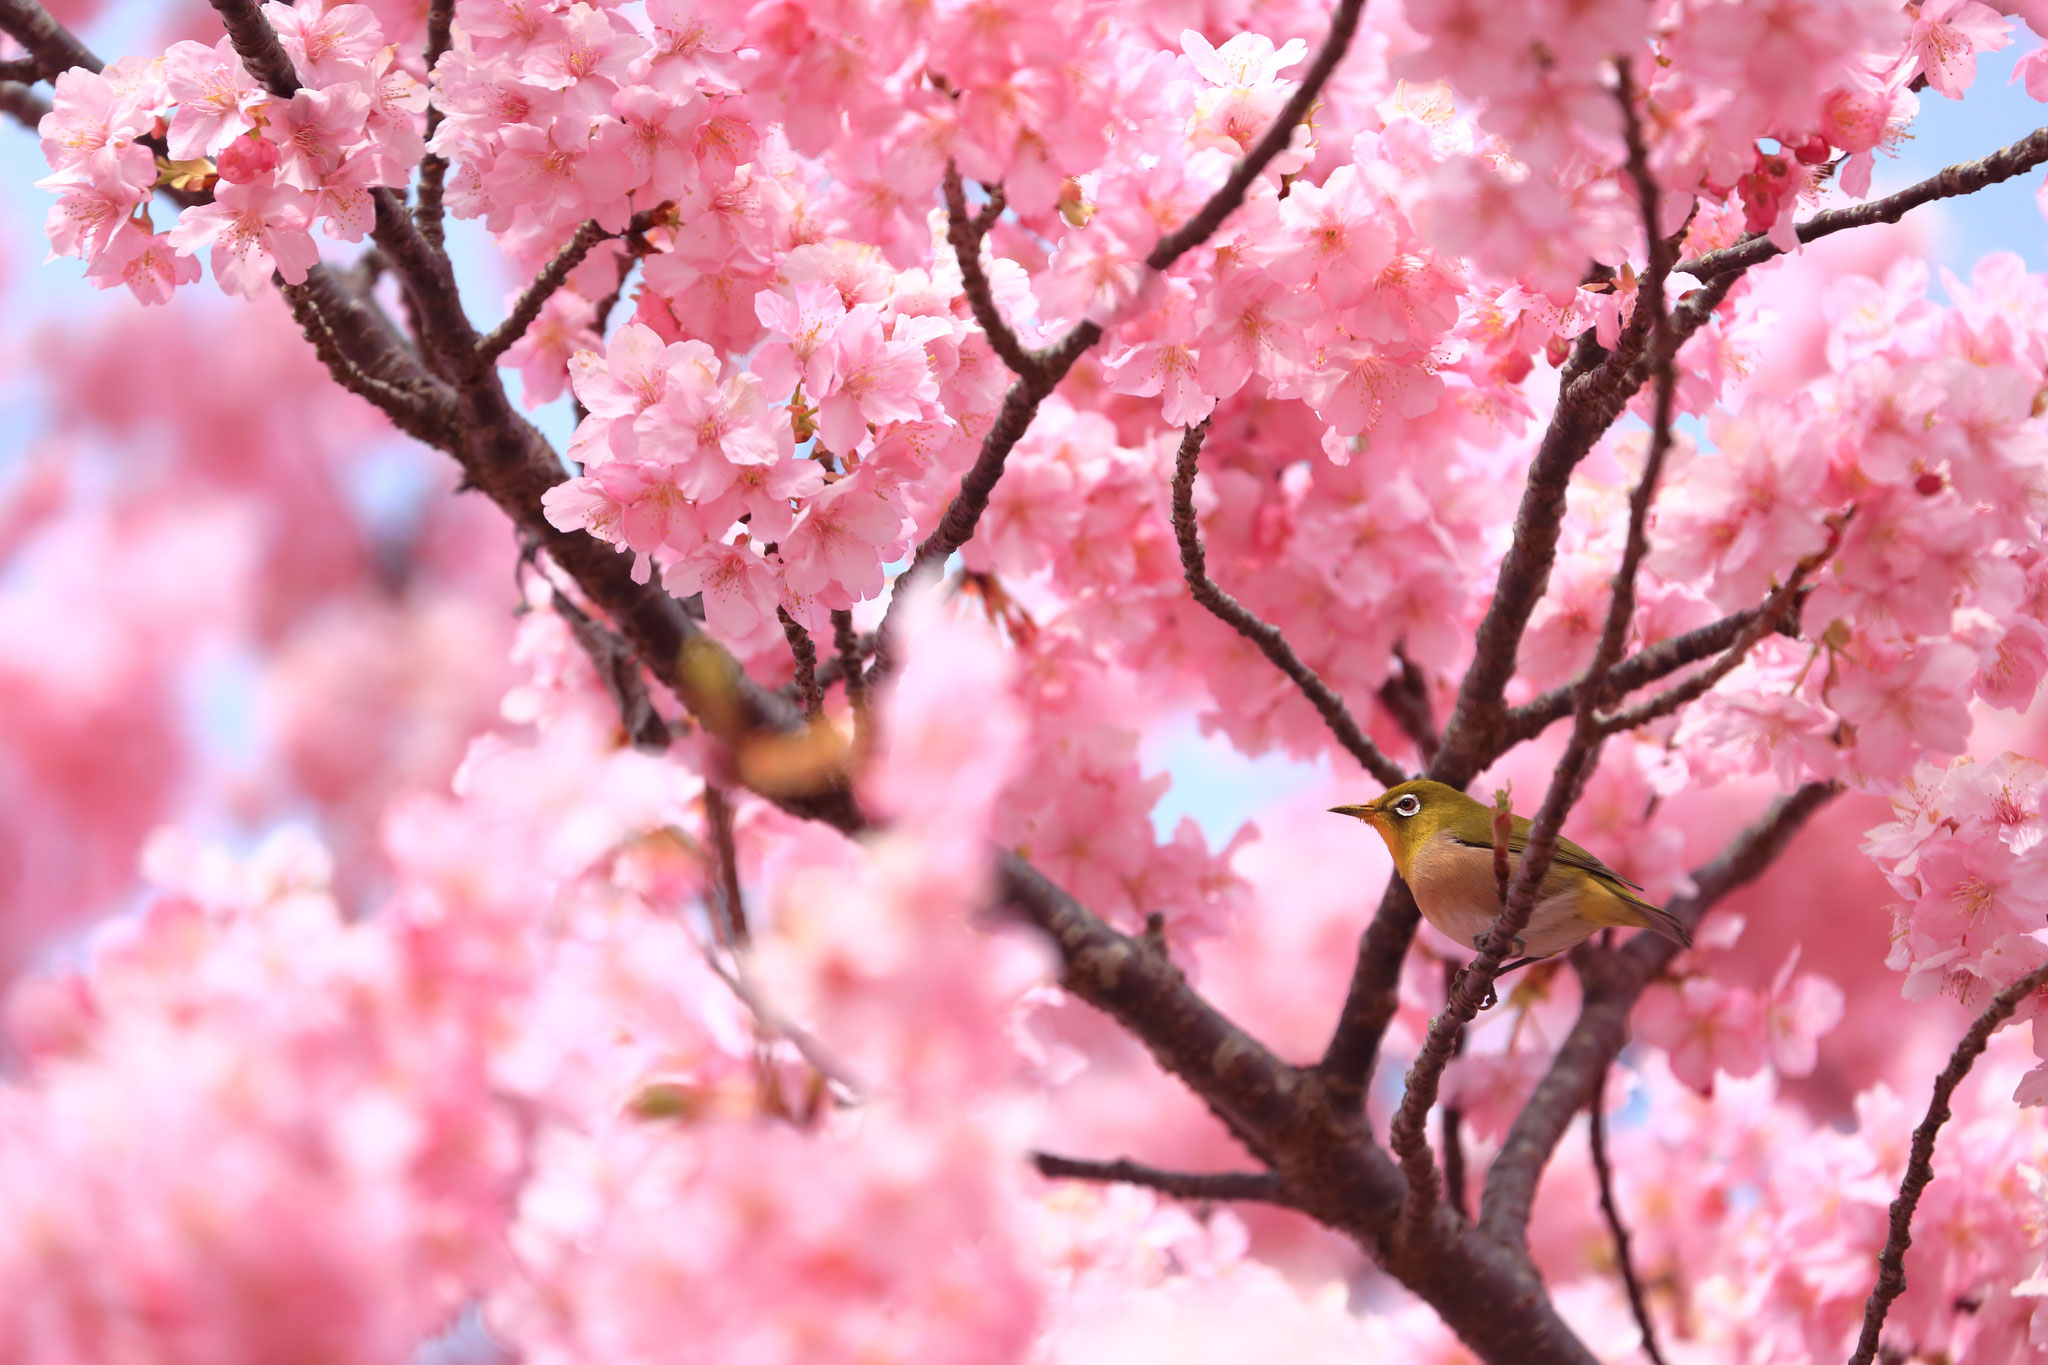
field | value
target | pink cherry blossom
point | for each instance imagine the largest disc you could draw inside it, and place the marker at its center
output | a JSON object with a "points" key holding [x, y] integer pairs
{"points": [[1706, 1028], [314, 130], [214, 97], [1947, 36], [144, 261], [329, 46], [253, 230], [874, 380], [697, 945]]}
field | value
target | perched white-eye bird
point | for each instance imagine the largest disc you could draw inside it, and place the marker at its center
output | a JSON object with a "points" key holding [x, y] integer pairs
{"points": [[1442, 842]]}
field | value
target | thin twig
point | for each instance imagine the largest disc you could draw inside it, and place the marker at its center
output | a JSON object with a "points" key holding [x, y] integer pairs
{"points": [[732, 908], [1646, 666], [1405, 695], [1261, 1186], [618, 668], [1276, 139], [1782, 601], [1593, 394], [1452, 1117], [806, 655], [1597, 1133], [1268, 637], [552, 276], [776, 1024], [965, 231], [1966, 177], [1891, 1273]]}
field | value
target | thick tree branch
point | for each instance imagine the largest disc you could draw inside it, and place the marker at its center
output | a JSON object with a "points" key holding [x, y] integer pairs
{"points": [[55, 48], [1259, 1186], [1268, 637], [1596, 1117], [1891, 1274], [1327, 1168], [1611, 983], [433, 177], [22, 104], [256, 43], [806, 656], [365, 355], [1950, 182], [1408, 1134], [1372, 997]]}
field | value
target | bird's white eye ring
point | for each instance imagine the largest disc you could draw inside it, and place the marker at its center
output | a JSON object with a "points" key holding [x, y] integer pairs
{"points": [[1408, 804]]}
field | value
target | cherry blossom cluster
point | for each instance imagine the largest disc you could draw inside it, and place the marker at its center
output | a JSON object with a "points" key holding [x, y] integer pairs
{"points": [[194, 119], [533, 1052], [1966, 853], [1914, 466]]}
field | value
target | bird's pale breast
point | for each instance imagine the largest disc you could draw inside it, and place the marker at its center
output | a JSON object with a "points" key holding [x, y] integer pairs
{"points": [[1455, 890]]}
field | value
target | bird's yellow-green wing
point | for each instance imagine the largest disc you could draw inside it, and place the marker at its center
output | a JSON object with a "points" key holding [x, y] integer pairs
{"points": [[1568, 853], [1623, 890]]}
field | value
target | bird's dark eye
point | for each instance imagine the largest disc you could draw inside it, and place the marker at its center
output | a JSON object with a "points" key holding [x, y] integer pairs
{"points": [[1408, 805]]}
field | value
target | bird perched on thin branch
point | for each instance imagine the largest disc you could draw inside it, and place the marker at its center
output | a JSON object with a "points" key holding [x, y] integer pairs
{"points": [[1442, 842]]}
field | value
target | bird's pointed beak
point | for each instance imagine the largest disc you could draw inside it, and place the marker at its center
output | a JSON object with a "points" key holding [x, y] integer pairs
{"points": [[1356, 812]]}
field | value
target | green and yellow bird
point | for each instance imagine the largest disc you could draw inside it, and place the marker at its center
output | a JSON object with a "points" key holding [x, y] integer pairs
{"points": [[1442, 842]]}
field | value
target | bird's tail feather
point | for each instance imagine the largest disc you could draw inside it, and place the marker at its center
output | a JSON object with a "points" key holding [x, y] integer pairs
{"points": [[1665, 923]]}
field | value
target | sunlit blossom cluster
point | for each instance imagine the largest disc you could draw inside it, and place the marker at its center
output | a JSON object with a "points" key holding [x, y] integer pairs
{"points": [[496, 1054]]}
